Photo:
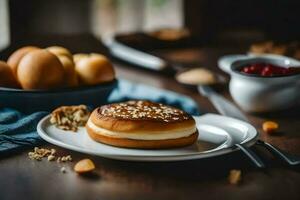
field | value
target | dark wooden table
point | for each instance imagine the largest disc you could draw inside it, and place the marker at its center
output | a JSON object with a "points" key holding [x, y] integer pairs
{"points": [[22, 178]]}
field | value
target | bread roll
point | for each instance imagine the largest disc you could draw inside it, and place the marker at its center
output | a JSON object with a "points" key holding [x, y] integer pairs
{"points": [[14, 59], [94, 69], [66, 58], [40, 69], [7, 79], [60, 51], [71, 78]]}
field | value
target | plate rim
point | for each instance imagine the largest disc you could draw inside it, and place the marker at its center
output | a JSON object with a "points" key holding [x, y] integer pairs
{"points": [[164, 158]]}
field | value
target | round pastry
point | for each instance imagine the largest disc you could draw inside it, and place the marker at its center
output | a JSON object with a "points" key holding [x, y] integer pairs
{"points": [[70, 73], [142, 124], [93, 69], [60, 51], [15, 58], [40, 69], [66, 59], [7, 79]]}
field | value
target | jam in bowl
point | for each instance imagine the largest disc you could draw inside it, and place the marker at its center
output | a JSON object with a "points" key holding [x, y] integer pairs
{"points": [[268, 70], [262, 83]]}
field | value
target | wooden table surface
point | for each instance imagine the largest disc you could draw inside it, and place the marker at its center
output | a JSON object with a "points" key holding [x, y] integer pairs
{"points": [[22, 178]]}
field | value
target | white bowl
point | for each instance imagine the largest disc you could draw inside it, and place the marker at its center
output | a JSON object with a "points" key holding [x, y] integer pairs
{"points": [[261, 94]]}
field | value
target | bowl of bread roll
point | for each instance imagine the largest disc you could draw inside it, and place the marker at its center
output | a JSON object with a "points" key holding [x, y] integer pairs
{"points": [[35, 79]]}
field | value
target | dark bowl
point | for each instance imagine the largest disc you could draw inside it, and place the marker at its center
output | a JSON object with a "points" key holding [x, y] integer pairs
{"points": [[46, 100]]}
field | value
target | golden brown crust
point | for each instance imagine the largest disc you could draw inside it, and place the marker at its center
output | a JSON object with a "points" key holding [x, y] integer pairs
{"points": [[93, 69], [15, 58], [143, 144], [71, 78], [167, 119], [60, 51], [40, 69], [7, 79]]}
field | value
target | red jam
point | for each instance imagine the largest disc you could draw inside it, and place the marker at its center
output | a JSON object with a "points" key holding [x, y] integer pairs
{"points": [[268, 70]]}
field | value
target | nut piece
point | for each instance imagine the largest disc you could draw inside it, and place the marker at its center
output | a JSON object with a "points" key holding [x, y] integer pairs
{"points": [[51, 158], [235, 176], [63, 170], [63, 159], [53, 151], [69, 118], [66, 158], [69, 158], [39, 153], [270, 126], [84, 166]]}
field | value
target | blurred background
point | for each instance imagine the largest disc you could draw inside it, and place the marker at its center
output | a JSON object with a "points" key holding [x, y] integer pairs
{"points": [[247, 20]]}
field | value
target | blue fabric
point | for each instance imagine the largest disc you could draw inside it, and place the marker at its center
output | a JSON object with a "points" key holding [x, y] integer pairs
{"points": [[18, 130]]}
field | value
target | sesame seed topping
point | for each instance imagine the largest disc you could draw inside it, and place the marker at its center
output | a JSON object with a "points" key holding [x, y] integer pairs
{"points": [[143, 110]]}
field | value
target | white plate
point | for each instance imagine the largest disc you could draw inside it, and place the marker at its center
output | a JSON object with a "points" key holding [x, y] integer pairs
{"points": [[217, 134]]}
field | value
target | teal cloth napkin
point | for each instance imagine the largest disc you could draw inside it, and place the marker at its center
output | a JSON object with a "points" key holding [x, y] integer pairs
{"points": [[18, 130]]}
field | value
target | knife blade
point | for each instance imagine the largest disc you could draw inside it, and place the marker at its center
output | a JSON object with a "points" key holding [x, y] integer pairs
{"points": [[222, 105]]}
